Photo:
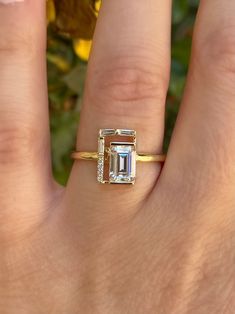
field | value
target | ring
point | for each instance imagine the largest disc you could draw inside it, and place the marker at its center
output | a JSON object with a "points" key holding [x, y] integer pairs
{"points": [[117, 156]]}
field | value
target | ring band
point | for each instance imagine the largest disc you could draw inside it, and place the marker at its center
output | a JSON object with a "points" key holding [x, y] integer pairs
{"points": [[93, 156], [117, 156]]}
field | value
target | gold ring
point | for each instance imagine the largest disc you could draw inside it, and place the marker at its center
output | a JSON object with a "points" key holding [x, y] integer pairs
{"points": [[93, 156], [116, 157]]}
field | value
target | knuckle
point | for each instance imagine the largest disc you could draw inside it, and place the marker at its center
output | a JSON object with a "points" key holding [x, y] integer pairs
{"points": [[130, 84], [18, 43], [218, 50], [122, 88], [17, 144]]}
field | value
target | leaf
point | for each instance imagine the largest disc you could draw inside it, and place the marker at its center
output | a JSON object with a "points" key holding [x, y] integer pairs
{"points": [[63, 127], [60, 62], [76, 18], [76, 78], [180, 10]]}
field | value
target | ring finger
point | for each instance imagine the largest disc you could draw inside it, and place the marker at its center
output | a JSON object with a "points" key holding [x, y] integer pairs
{"points": [[126, 87]]}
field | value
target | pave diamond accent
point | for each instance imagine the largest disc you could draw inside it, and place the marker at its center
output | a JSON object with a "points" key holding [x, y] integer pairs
{"points": [[100, 169]]}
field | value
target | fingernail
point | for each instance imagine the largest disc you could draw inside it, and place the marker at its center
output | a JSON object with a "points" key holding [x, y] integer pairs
{"points": [[10, 1]]}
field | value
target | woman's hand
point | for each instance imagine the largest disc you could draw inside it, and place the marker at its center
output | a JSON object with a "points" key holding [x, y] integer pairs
{"points": [[164, 245]]}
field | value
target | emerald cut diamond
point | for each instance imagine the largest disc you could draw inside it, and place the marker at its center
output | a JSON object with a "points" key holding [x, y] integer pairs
{"points": [[122, 167]]}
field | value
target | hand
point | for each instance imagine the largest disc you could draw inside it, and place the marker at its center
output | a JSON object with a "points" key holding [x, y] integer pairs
{"points": [[164, 245]]}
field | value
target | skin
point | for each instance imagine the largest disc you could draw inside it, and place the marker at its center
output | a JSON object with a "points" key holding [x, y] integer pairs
{"points": [[165, 245]]}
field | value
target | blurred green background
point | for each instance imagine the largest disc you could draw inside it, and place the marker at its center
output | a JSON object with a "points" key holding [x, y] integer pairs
{"points": [[67, 61]]}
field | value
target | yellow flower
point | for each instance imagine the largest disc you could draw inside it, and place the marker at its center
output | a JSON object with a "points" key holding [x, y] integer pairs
{"points": [[97, 6], [51, 14], [82, 48]]}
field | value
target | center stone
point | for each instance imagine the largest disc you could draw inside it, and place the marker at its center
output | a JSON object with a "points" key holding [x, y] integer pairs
{"points": [[122, 163]]}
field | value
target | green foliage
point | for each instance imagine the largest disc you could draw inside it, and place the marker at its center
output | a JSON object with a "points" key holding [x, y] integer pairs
{"points": [[66, 74], [184, 13]]}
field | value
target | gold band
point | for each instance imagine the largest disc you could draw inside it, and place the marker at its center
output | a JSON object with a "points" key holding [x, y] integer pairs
{"points": [[139, 157]]}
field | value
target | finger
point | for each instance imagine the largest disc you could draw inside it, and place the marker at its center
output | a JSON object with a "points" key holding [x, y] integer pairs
{"points": [[24, 134], [126, 86], [203, 146]]}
